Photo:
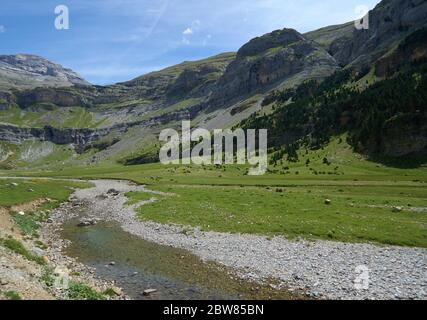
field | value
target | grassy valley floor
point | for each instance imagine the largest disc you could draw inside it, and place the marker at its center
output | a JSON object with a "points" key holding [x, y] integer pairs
{"points": [[329, 194]]}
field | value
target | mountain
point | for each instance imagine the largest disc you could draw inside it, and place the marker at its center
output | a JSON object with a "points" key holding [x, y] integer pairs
{"points": [[303, 87], [268, 61], [389, 23], [30, 71]]}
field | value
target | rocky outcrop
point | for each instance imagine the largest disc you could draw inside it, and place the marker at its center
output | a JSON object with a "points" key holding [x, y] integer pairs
{"points": [[87, 138], [188, 79], [277, 38], [389, 23], [30, 71], [412, 50], [268, 60], [6, 100], [404, 135], [195, 82], [61, 97], [79, 137]]}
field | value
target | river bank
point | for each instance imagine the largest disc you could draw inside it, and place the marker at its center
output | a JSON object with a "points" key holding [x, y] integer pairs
{"points": [[323, 269]]}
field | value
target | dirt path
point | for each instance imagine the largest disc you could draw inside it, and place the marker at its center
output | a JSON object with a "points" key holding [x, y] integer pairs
{"points": [[324, 268]]}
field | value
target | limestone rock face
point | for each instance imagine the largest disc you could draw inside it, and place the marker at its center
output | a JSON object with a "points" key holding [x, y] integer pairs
{"points": [[412, 50], [6, 100], [414, 139], [267, 60], [278, 38], [389, 22], [30, 71]]}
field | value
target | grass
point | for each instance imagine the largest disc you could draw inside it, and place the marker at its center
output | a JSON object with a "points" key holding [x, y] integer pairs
{"points": [[136, 197], [81, 291], [223, 198], [66, 117], [17, 247], [76, 290], [12, 295], [110, 292], [18, 191], [355, 213], [27, 223]]}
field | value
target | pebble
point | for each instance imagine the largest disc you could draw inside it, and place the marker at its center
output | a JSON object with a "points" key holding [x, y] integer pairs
{"points": [[149, 291]]}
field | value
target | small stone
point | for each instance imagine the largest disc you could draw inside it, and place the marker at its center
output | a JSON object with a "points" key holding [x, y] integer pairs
{"points": [[117, 291], [21, 213], [397, 209], [86, 222], [149, 291], [14, 184], [113, 192], [45, 259], [328, 201], [39, 252], [112, 263], [30, 190], [3, 282]]}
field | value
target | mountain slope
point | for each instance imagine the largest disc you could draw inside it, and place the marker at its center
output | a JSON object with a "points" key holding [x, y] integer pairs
{"points": [[122, 121], [267, 61], [389, 22], [30, 71], [387, 118]]}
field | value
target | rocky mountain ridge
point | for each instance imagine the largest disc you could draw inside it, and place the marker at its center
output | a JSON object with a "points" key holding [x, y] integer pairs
{"points": [[30, 71], [215, 92]]}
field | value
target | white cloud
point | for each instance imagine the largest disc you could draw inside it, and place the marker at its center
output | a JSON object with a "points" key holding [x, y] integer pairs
{"points": [[188, 31], [2, 29]]}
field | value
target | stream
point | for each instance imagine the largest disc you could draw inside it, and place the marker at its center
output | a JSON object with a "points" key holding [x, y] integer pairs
{"points": [[136, 265]]}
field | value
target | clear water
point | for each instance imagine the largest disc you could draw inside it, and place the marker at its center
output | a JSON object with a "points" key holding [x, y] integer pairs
{"points": [[141, 265]]}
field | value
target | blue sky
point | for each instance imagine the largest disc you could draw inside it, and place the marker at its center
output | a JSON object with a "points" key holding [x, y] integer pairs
{"points": [[116, 40]]}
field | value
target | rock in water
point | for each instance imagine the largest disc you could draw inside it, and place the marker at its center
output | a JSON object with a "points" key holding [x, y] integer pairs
{"points": [[149, 291], [86, 222]]}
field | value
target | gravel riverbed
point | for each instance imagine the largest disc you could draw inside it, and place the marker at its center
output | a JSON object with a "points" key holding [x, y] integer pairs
{"points": [[324, 269]]}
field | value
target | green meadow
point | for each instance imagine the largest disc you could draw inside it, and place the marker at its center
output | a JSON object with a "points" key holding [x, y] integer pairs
{"points": [[331, 193]]}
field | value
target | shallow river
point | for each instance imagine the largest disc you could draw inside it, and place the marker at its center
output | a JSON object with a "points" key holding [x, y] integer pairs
{"points": [[140, 265]]}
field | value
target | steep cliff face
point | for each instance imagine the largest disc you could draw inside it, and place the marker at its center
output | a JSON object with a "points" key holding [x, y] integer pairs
{"points": [[389, 22], [268, 60], [6, 100], [59, 97], [30, 71], [79, 137], [412, 50], [405, 136]]}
